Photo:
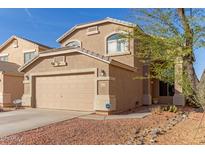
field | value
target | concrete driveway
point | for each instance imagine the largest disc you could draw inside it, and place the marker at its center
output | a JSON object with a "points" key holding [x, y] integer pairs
{"points": [[22, 120]]}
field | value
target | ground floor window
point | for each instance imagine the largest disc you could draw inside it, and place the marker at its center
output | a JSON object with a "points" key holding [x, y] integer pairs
{"points": [[166, 89]]}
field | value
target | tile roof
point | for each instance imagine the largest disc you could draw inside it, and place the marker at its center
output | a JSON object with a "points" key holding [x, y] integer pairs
{"points": [[34, 42], [82, 50], [15, 37], [65, 50], [9, 67]]}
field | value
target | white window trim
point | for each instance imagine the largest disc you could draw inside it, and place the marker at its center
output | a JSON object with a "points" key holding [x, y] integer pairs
{"points": [[116, 53], [4, 54], [28, 51], [32, 50], [74, 41]]}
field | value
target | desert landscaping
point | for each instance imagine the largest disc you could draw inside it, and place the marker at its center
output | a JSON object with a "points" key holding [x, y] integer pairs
{"points": [[109, 81], [160, 127]]}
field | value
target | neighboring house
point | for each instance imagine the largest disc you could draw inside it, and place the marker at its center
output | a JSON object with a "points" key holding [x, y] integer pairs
{"points": [[15, 52], [94, 70], [11, 83], [20, 50]]}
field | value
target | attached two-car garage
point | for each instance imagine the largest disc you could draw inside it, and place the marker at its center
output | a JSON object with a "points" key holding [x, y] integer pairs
{"points": [[70, 79], [72, 92]]}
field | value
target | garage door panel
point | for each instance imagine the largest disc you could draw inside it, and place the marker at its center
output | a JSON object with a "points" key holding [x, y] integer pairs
{"points": [[73, 92]]}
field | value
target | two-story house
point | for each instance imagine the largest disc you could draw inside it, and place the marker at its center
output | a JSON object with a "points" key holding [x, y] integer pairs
{"points": [[93, 70], [15, 52]]}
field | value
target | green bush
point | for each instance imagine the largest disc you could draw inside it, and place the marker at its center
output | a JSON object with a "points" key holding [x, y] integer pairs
{"points": [[171, 108]]}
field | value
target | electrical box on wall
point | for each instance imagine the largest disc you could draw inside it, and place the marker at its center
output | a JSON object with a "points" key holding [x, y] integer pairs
{"points": [[108, 105]]}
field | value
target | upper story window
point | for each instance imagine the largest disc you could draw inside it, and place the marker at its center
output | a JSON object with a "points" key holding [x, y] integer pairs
{"points": [[74, 44], [4, 58], [117, 44], [29, 55]]}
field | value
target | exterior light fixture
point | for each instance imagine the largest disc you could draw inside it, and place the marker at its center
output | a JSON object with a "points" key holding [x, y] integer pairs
{"points": [[102, 73], [27, 77]]}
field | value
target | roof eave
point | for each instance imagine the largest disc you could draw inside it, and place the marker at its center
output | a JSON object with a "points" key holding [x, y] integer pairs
{"points": [[94, 23], [64, 51], [15, 37], [27, 64]]}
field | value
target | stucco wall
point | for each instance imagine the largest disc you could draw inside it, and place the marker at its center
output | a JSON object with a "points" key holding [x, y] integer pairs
{"points": [[128, 91], [13, 85], [74, 61], [97, 42], [1, 89], [1, 82], [16, 55], [11, 89]]}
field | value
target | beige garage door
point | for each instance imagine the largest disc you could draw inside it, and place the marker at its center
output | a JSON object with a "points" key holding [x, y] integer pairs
{"points": [[73, 92]]}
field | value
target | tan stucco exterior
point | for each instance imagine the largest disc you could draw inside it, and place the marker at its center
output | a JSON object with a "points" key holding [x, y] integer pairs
{"points": [[127, 90], [11, 80], [105, 88], [109, 79], [11, 88], [97, 42], [15, 47]]}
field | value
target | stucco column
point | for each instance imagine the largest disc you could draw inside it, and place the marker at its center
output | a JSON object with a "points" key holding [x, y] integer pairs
{"points": [[147, 98], [27, 96], [178, 98]]}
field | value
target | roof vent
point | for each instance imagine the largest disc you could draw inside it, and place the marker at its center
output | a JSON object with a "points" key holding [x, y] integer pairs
{"points": [[59, 61], [92, 30], [15, 43]]}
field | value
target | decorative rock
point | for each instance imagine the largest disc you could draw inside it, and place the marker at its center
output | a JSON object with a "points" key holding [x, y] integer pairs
{"points": [[153, 140], [168, 128], [154, 136], [137, 131], [141, 138], [156, 131], [129, 143], [184, 116], [163, 131]]}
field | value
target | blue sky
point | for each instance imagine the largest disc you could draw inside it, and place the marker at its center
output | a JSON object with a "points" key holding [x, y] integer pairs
{"points": [[46, 25]]}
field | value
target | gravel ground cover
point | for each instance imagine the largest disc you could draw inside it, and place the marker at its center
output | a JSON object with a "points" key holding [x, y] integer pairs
{"points": [[157, 128], [82, 131], [186, 132]]}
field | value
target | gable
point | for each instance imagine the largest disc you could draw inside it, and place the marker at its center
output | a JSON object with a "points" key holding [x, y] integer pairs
{"points": [[100, 22], [21, 40], [15, 47], [71, 61], [90, 56], [16, 44], [103, 29]]}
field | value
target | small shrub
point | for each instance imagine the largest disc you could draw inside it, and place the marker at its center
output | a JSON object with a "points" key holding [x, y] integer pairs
{"points": [[165, 108], [171, 108]]}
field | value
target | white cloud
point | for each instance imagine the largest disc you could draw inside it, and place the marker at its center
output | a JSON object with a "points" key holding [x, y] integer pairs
{"points": [[28, 12]]}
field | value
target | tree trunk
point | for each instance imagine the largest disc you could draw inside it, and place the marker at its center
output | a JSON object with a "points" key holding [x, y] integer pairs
{"points": [[201, 91], [189, 59]]}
